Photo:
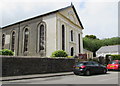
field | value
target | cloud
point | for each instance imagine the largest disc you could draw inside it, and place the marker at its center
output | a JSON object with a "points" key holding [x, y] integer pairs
{"points": [[99, 17]]}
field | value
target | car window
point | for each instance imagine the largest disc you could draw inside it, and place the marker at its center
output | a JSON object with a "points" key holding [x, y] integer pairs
{"points": [[96, 64], [113, 62], [118, 62], [81, 63], [90, 63]]}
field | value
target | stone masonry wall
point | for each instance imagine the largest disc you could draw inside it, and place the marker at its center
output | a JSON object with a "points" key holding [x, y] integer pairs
{"points": [[13, 66]]}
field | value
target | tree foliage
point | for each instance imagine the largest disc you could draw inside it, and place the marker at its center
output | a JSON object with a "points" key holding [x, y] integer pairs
{"points": [[94, 44], [91, 36]]}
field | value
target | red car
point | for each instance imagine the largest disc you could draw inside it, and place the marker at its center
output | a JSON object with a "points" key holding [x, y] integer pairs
{"points": [[114, 65]]}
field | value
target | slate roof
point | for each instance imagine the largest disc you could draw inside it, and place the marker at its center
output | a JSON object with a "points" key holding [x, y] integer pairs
{"points": [[49, 14], [109, 49], [85, 50]]}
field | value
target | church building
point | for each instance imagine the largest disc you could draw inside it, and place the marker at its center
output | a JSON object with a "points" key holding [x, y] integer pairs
{"points": [[41, 35]]}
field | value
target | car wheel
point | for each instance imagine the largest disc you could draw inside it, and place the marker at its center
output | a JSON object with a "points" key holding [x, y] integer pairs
{"points": [[119, 69], [87, 73], [76, 73], [104, 71]]}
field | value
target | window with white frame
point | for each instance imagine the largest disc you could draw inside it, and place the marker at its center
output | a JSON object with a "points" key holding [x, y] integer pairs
{"points": [[71, 33], [41, 37], [72, 51], [13, 41], [26, 38], [3, 41], [63, 37]]}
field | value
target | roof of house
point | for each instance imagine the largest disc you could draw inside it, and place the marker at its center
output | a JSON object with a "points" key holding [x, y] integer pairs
{"points": [[85, 50], [49, 14], [109, 49]]}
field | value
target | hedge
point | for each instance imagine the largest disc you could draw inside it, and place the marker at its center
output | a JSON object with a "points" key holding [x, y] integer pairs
{"points": [[6, 52], [59, 53], [114, 57]]}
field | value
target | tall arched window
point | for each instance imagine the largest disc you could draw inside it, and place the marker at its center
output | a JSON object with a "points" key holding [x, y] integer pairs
{"points": [[79, 42], [13, 41], [72, 51], [26, 37], [3, 41], [63, 37], [41, 38], [71, 35]]}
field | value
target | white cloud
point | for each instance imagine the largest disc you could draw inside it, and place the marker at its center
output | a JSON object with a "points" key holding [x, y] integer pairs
{"points": [[99, 17]]}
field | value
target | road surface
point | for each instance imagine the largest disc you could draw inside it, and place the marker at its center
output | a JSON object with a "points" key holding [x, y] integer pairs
{"points": [[109, 78]]}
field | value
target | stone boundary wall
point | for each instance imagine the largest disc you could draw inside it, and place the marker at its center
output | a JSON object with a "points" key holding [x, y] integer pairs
{"points": [[20, 65]]}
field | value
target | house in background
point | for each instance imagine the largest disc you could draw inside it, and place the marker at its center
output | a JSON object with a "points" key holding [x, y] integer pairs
{"points": [[112, 49], [41, 35], [88, 53]]}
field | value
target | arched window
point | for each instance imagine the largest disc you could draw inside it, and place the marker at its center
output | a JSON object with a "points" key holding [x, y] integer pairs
{"points": [[63, 37], [72, 51], [3, 41], [79, 42], [71, 35], [41, 38], [13, 41], [26, 37]]}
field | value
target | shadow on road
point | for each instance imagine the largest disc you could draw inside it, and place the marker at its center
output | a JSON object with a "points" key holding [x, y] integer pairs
{"points": [[95, 74]]}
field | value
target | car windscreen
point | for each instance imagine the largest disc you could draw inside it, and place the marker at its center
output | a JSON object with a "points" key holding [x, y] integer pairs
{"points": [[118, 62], [113, 62], [81, 63]]}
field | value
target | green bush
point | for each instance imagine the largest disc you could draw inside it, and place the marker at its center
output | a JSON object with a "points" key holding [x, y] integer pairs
{"points": [[6, 52], [115, 57], [0, 52], [59, 53], [70, 57]]}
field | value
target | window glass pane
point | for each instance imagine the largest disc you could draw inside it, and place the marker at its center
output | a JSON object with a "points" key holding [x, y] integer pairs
{"points": [[3, 41], [118, 62], [26, 40], [71, 35], [113, 62], [72, 51], [13, 41], [63, 37], [79, 42], [41, 42]]}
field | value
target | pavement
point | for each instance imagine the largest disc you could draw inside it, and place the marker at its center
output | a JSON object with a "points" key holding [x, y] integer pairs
{"points": [[10, 78]]}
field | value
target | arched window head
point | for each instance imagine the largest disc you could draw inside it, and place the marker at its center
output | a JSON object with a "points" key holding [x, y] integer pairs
{"points": [[41, 37], [71, 35], [13, 41], [72, 51], [63, 37], [3, 41], [26, 37]]}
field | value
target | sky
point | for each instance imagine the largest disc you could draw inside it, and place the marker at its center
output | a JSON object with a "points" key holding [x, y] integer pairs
{"points": [[99, 17]]}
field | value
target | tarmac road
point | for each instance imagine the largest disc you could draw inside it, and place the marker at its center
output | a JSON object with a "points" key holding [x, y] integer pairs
{"points": [[111, 77]]}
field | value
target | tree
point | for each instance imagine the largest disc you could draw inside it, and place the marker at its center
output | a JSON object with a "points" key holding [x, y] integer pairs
{"points": [[91, 36], [92, 44]]}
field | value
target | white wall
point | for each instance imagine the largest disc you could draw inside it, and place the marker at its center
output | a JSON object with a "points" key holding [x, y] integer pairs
{"points": [[68, 27], [104, 54], [50, 21], [0, 39]]}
